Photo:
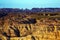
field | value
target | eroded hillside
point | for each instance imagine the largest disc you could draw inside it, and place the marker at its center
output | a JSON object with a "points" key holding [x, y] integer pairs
{"points": [[22, 26]]}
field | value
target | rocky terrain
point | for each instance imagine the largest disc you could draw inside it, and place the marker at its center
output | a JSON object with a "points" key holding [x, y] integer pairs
{"points": [[23, 26]]}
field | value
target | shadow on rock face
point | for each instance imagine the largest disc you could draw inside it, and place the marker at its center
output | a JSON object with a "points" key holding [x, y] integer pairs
{"points": [[3, 14], [16, 31], [30, 21]]}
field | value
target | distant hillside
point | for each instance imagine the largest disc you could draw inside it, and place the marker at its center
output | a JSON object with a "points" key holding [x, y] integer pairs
{"points": [[6, 11], [28, 10]]}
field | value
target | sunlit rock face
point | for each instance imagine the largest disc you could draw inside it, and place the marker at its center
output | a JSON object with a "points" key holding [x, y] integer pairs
{"points": [[14, 26], [25, 27]]}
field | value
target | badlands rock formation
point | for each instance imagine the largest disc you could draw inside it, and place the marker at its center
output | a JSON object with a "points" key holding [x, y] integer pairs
{"points": [[25, 27]]}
